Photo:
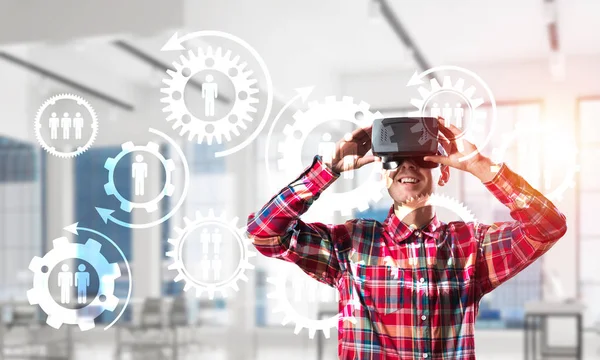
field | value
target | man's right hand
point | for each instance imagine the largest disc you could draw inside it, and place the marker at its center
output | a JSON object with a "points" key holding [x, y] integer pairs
{"points": [[355, 146]]}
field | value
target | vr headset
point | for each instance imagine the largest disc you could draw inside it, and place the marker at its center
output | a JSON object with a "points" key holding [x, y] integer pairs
{"points": [[400, 138]]}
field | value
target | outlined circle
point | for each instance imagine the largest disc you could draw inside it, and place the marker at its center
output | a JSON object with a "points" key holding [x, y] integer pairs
{"points": [[51, 101], [489, 93], [319, 113], [265, 70], [183, 193], [175, 253], [238, 268], [166, 190]]}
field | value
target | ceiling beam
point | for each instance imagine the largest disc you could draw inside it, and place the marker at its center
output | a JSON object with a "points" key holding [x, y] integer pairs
{"points": [[160, 65], [388, 14], [65, 81]]}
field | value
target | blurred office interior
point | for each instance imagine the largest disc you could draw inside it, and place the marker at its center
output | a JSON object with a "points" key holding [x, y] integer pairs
{"points": [[540, 59]]}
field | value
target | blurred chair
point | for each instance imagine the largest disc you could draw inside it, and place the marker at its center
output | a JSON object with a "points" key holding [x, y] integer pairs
{"points": [[23, 335], [148, 338]]}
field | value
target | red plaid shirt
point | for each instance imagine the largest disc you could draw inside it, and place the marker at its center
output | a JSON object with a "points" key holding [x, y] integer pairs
{"points": [[427, 308]]}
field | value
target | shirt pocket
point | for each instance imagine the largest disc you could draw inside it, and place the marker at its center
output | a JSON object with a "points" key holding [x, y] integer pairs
{"points": [[382, 288]]}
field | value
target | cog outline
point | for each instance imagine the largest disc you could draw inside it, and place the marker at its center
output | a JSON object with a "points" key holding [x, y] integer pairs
{"points": [[521, 128], [447, 85], [302, 322], [40, 293], [229, 123], [52, 150], [127, 148], [319, 113], [435, 199], [211, 288]]}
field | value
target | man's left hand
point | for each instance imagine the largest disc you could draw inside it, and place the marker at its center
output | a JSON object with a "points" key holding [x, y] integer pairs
{"points": [[462, 154]]}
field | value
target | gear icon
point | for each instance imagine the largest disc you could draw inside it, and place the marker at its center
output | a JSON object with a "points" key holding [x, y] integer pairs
{"points": [[38, 126], [184, 274], [65, 250], [567, 147], [243, 84], [304, 123], [434, 200], [302, 322], [475, 126], [153, 149]]}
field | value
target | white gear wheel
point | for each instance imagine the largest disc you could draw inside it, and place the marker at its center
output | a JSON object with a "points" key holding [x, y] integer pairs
{"points": [[475, 126], [243, 84], [38, 126], [178, 262], [302, 322], [65, 250], [435, 200], [523, 129], [304, 123], [111, 164]]}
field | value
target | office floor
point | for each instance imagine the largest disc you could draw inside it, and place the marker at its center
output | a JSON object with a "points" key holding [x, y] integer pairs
{"points": [[491, 345]]}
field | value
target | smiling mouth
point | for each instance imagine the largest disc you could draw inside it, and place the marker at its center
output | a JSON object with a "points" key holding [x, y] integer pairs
{"points": [[409, 181]]}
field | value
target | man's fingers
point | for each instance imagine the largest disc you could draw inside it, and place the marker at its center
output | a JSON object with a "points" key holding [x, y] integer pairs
{"points": [[367, 160], [444, 160]]}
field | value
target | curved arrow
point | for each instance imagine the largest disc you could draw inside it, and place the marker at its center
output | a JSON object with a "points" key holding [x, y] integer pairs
{"points": [[415, 79], [302, 93], [106, 214], [175, 44], [73, 228]]}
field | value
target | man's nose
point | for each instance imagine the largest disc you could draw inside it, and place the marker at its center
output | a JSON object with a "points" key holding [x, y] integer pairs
{"points": [[407, 163]]}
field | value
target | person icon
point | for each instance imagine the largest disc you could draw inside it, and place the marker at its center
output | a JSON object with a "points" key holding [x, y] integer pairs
{"points": [[217, 265], [327, 148], [65, 123], [459, 113], [436, 112], [217, 239], [205, 239], [53, 123], [139, 171], [82, 282], [65, 282], [78, 125], [205, 266], [210, 92], [447, 114], [348, 151]]}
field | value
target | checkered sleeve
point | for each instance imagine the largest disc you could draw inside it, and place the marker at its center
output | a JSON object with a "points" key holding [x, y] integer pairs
{"points": [[277, 231], [506, 248]]}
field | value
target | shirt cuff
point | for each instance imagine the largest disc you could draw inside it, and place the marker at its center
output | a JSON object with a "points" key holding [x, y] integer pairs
{"points": [[319, 176], [507, 186]]}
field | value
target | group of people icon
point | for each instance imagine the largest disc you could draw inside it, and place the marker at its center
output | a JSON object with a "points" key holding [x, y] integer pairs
{"points": [[327, 149], [66, 281], [65, 123], [211, 261], [449, 113]]}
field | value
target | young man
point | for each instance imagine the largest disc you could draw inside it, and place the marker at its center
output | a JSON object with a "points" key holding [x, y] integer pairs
{"points": [[423, 303]]}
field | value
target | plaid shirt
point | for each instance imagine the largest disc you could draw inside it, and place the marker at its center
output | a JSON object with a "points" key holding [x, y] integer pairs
{"points": [[426, 308]]}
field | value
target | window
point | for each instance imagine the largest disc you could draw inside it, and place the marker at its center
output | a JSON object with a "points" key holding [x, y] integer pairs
{"points": [[90, 177], [588, 197], [21, 216], [504, 307]]}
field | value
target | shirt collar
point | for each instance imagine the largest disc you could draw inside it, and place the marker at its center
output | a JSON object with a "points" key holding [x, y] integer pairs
{"points": [[399, 231]]}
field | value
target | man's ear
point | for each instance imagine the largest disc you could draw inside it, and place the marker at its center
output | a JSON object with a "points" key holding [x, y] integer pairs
{"points": [[445, 176]]}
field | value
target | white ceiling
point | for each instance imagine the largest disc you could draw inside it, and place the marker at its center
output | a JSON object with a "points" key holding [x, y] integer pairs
{"points": [[314, 42]]}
